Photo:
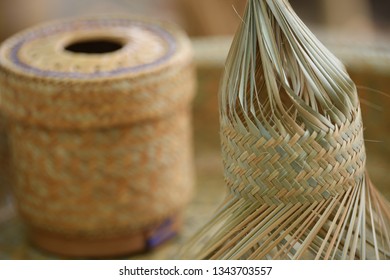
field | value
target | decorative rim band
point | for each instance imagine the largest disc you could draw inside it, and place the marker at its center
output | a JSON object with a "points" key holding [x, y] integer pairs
{"points": [[92, 24]]}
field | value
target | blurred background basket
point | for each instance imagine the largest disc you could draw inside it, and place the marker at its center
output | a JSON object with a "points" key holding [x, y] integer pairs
{"points": [[99, 129]]}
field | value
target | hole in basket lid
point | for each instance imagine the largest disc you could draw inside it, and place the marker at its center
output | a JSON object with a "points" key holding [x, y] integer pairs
{"points": [[94, 46]]}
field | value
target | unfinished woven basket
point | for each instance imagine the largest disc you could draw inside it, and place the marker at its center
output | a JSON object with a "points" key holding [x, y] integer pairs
{"points": [[100, 132], [293, 151]]}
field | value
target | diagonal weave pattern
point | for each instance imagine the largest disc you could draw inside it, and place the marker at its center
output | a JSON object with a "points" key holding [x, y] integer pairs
{"points": [[293, 150], [298, 169]]}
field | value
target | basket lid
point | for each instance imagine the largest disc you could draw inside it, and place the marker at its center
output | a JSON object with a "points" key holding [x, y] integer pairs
{"points": [[97, 71]]}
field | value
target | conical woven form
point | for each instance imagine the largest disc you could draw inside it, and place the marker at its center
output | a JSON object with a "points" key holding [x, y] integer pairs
{"points": [[293, 150], [100, 139]]}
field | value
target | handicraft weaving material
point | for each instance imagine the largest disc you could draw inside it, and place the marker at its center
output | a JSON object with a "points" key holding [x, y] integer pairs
{"points": [[5, 182], [100, 132], [293, 151]]}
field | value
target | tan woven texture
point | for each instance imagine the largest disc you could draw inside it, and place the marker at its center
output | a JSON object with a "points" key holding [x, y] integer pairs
{"points": [[100, 142], [304, 168], [293, 151], [4, 167]]}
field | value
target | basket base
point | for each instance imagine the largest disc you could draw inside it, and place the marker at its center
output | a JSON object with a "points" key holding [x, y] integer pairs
{"points": [[137, 242]]}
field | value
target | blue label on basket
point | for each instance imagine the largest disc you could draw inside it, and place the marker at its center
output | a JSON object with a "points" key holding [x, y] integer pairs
{"points": [[163, 233]]}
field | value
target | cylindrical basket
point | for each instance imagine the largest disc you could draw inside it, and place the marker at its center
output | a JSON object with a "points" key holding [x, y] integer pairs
{"points": [[100, 132]]}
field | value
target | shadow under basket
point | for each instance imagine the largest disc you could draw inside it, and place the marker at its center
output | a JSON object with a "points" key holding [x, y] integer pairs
{"points": [[99, 126]]}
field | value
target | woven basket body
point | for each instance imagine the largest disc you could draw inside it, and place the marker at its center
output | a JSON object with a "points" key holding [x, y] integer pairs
{"points": [[293, 151], [4, 170], [369, 66], [100, 138]]}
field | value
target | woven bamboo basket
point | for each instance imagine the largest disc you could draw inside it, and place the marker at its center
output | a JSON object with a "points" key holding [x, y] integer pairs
{"points": [[100, 132], [293, 151], [368, 63]]}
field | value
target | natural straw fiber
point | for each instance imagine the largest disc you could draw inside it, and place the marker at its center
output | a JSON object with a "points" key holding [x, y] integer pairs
{"points": [[293, 151], [100, 139], [5, 195]]}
